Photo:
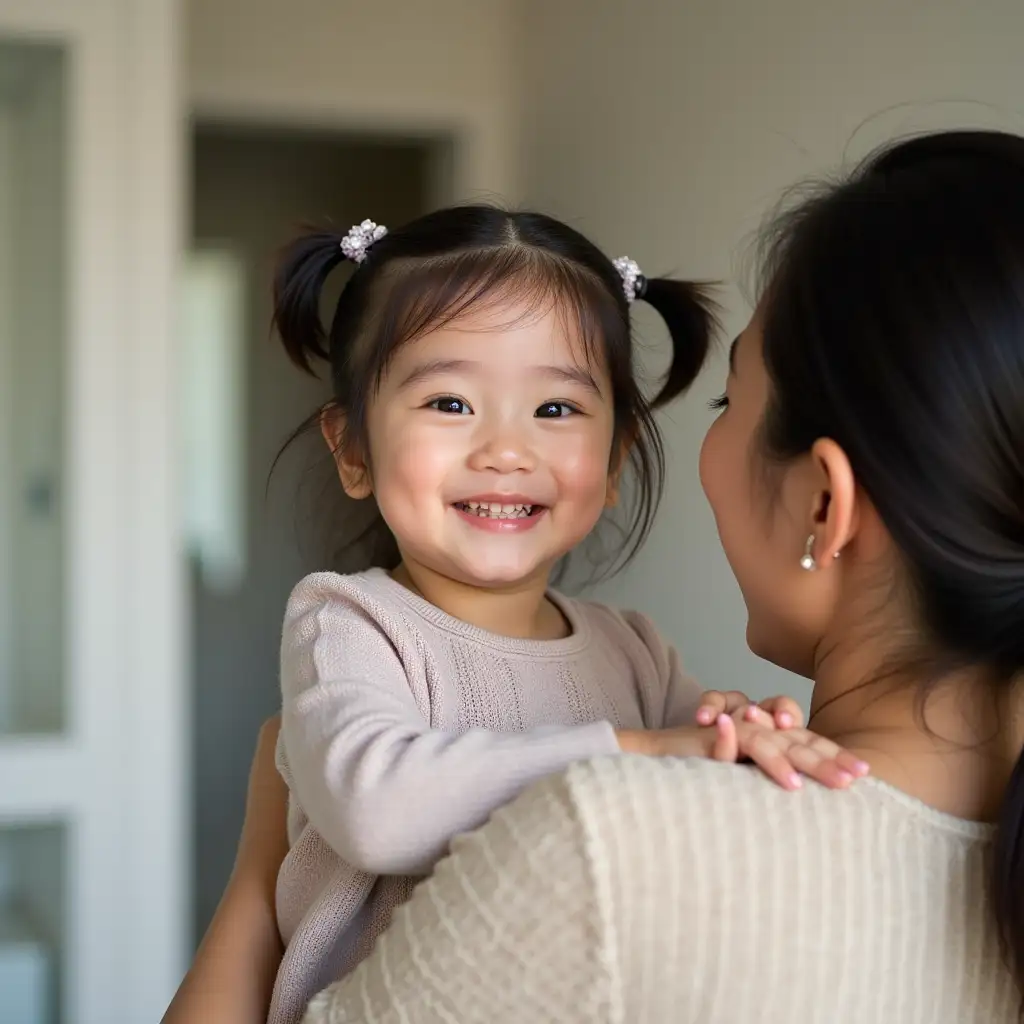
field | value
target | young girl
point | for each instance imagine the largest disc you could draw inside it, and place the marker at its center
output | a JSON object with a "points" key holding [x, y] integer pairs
{"points": [[485, 398]]}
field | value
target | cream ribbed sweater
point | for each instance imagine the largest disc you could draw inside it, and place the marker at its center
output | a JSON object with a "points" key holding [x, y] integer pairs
{"points": [[402, 726], [639, 891]]}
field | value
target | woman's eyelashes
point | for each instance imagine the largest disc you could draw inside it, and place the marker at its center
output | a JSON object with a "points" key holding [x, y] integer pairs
{"points": [[451, 405], [718, 404]]}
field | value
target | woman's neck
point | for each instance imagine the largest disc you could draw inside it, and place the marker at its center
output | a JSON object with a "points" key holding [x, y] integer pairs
{"points": [[521, 609], [952, 745]]}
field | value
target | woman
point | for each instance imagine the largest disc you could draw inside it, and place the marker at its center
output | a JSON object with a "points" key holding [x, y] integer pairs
{"points": [[867, 478]]}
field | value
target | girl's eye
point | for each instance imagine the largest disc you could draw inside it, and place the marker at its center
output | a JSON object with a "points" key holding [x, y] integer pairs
{"points": [[720, 403], [451, 405], [555, 410]]}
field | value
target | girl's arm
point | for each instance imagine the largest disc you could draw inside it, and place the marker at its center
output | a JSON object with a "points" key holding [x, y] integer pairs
{"points": [[385, 790], [232, 977]]}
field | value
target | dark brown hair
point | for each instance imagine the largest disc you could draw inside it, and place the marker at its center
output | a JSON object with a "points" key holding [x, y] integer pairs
{"points": [[434, 269]]}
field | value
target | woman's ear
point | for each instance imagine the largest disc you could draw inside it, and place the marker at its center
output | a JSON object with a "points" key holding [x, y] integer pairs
{"points": [[352, 468], [836, 516]]}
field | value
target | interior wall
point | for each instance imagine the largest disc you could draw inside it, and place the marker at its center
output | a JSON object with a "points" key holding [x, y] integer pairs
{"points": [[253, 191], [666, 130], [443, 66]]}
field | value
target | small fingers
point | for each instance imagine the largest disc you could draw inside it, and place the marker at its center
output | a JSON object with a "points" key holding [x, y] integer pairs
{"points": [[831, 750], [757, 716], [786, 712], [718, 702], [784, 755], [815, 765], [712, 704], [823, 760], [726, 747], [768, 750], [852, 764]]}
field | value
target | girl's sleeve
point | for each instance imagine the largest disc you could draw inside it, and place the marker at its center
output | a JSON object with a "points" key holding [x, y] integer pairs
{"points": [[508, 928], [381, 787], [679, 694]]}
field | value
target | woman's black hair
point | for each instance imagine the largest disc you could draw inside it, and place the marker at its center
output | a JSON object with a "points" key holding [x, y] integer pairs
{"points": [[893, 320], [436, 268]]}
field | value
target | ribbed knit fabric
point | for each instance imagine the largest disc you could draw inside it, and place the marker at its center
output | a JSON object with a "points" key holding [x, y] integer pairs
{"points": [[639, 891], [403, 727]]}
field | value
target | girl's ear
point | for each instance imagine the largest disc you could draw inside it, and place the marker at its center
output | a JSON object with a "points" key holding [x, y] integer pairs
{"points": [[620, 456], [352, 468]]}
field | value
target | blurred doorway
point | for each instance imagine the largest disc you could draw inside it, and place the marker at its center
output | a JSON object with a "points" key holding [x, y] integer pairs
{"points": [[253, 188]]}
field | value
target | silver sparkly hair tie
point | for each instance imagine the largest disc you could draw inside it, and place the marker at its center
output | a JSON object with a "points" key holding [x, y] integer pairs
{"points": [[360, 237], [634, 284]]}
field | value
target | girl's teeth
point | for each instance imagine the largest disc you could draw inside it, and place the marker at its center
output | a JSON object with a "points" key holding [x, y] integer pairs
{"points": [[497, 510]]}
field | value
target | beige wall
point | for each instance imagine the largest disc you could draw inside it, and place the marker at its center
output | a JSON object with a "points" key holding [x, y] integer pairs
{"points": [[442, 65], [667, 128]]}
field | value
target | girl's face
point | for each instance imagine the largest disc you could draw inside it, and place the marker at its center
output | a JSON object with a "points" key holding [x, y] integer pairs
{"points": [[490, 445], [764, 526]]}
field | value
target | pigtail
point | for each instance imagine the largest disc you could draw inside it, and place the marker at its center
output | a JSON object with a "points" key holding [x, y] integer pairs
{"points": [[298, 285], [691, 315]]}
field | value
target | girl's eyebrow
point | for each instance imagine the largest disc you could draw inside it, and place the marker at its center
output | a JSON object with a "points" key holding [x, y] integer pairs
{"points": [[438, 367], [732, 354], [571, 375], [435, 368]]}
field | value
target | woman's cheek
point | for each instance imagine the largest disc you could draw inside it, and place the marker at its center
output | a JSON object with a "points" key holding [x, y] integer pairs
{"points": [[708, 464]]}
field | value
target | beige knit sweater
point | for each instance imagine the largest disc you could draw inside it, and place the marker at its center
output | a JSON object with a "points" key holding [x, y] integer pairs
{"points": [[402, 727], [639, 891]]}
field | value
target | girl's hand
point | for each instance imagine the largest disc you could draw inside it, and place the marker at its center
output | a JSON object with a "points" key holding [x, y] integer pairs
{"points": [[782, 754], [785, 711]]}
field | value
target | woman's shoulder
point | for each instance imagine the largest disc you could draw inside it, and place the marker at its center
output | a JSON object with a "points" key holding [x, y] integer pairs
{"points": [[666, 794], [702, 800], [692, 862]]}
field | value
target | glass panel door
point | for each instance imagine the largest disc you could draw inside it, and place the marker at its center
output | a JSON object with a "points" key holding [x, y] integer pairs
{"points": [[33, 243], [33, 158]]}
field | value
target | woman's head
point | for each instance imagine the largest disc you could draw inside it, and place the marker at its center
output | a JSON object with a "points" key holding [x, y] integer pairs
{"points": [[892, 324], [877, 406], [482, 359]]}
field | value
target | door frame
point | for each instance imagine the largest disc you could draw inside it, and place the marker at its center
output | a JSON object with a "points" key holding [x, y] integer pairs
{"points": [[117, 777], [469, 147]]}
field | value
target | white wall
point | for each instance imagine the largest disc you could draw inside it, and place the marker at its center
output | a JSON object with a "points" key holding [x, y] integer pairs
{"points": [[666, 129], [446, 65]]}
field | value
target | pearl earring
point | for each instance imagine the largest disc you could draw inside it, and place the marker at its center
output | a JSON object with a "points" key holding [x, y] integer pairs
{"points": [[807, 562]]}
